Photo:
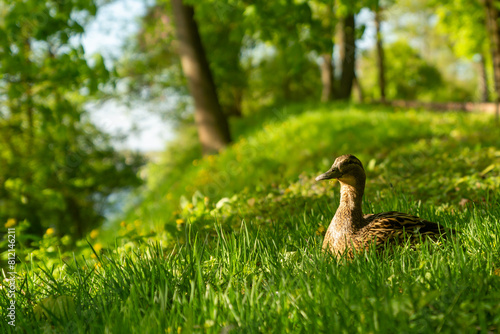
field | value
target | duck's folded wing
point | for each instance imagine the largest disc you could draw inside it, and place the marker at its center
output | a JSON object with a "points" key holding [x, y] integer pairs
{"points": [[397, 225]]}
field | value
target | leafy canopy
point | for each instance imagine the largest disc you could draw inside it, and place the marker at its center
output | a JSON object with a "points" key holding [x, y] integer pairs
{"points": [[56, 168]]}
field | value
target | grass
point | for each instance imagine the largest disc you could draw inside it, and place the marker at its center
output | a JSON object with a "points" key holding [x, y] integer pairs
{"points": [[247, 257], [278, 280], [441, 159]]}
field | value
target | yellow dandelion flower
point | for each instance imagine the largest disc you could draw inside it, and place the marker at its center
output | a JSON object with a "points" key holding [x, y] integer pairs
{"points": [[50, 231], [179, 221], [321, 230], [93, 256], [137, 223], [190, 206], [94, 234], [97, 247], [10, 222], [123, 224]]}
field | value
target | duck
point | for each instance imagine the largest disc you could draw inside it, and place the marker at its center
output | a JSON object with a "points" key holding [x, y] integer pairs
{"points": [[351, 232]]}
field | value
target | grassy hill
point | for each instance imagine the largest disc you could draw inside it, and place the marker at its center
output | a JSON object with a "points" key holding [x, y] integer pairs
{"points": [[443, 159], [233, 242]]}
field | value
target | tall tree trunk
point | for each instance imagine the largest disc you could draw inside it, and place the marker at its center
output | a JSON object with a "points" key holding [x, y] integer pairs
{"points": [[492, 17], [234, 109], [483, 80], [213, 128], [348, 59], [327, 78], [380, 54], [359, 88], [327, 65], [285, 84], [27, 83]]}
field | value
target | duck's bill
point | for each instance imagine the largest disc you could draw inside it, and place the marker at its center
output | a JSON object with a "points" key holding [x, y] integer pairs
{"points": [[333, 173]]}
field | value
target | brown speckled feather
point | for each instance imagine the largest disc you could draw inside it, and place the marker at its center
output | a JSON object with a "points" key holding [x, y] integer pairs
{"points": [[388, 226], [351, 229]]}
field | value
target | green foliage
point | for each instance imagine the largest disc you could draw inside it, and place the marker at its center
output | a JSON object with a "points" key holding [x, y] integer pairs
{"points": [[434, 28], [56, 168], [410, 77], [151, 63], [266, 52], [323, 22], [464, 23], [280, 78], [258, 54]]}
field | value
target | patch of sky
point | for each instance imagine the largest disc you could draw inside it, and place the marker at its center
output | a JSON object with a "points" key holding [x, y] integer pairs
{"points": [[135, 128]]}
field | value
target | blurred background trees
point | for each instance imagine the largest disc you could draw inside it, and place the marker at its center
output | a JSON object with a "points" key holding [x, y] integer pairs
{"points": [[57, 169], [270, 52]]}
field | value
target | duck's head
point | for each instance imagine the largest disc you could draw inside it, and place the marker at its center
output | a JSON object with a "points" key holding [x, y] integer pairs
{"points": [[347, 169]]}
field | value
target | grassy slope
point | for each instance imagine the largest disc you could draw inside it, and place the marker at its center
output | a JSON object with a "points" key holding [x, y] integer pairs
{"points": [[436, 158], [256, 263]]}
